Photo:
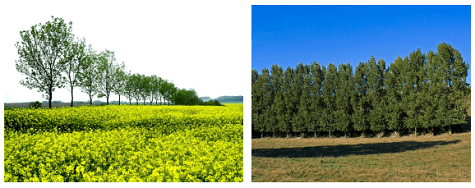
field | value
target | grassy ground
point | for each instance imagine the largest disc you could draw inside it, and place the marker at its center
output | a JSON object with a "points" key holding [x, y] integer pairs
{"points": [[442, 158]]}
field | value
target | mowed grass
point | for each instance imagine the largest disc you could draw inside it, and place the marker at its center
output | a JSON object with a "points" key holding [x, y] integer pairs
{"points": [[442, 158]]}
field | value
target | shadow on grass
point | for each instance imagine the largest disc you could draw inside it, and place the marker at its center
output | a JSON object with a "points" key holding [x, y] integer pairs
{"points": [[344, 150]]}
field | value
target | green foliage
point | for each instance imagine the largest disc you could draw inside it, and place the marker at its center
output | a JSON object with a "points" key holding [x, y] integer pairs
{"points": [[35, 104], [43, 55], [417, 92]]}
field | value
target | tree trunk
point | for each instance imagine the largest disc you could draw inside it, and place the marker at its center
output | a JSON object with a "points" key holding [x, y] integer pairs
{"points": [[119, 100], [90, 100], [262, 134], [345, 134], [50, 93], [137, 102], [72, 97], [315, 134], [273, 134], [287, 134], [130, 101], [415, 131], [107, 100], [450, 129], [329, 134]]}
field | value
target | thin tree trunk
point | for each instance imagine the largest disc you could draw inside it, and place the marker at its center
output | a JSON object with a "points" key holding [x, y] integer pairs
{"points": [[50, 97], [273, 134], [72, 97], [119, 100], [262, 134], [315, 134], [90, 100], [107, 100], [329, 134], [287, 134], [345, 134], [415, 130]]}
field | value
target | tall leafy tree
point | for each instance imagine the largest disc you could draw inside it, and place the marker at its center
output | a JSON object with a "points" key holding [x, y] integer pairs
{"points": [[129, 87], [394, 109], [156, 88], [42, 55], [360, 100], [265, 102], [377, 100], [329, 117], [88, 76], [285, 124], [343, 98], [75, 59], [296, 93], [316, 104], [302, 117], [120, 79], [278, 107], [108, 71]]}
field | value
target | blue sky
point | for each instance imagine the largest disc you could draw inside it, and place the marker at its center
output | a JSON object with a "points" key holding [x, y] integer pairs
{"points": [[288, 35]]}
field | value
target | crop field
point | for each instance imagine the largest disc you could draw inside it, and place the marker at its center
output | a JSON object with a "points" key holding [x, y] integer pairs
{"points": [[442, 158], [124, 143]]}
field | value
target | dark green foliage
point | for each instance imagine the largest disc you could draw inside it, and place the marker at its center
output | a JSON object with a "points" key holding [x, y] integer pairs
{"points": [[35, 104], [418, 93]]}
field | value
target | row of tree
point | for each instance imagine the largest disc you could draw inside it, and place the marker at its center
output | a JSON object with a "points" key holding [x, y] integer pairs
{"points": [[51, 58], [421, 91]]}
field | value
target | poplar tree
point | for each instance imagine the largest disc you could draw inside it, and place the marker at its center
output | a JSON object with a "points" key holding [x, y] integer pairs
{"points": [[316, 104], [343, 97], [359, 100], [286, 125], [329, 117]]}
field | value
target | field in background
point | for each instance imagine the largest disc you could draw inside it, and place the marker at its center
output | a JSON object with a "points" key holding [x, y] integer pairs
{"points": [[442, 158]]}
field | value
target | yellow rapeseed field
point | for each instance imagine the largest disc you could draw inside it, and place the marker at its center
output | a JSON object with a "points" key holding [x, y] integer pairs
{"points": [[124, 143]]}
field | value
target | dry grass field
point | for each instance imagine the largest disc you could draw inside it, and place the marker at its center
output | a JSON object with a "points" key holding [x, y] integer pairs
{"points": [[442, 158]]}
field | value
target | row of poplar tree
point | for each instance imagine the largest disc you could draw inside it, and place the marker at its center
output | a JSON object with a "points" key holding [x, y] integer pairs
{"points": [[51, 58], [421, 91]]}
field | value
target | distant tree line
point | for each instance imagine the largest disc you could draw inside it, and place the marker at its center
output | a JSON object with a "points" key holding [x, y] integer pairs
{"points": [[51, 58], [422, 92]]}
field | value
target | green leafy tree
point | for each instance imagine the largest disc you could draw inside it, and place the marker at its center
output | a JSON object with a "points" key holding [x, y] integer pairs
{"points": [[343, 98], [316, 97], [75, 59], [377, 113], [264, 90], [393, 83], [285, 124], [108, 73], [42, 56], [360, 100], [329, 117], [120, 79], [255, 98], [88, 77], [129, 87]]}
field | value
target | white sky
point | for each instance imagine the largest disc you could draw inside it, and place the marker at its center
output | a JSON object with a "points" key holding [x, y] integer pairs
{"points": [[205, 46]]}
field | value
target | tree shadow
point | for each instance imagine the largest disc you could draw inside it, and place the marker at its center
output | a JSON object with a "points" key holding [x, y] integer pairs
{"points": [[345, 150]]}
